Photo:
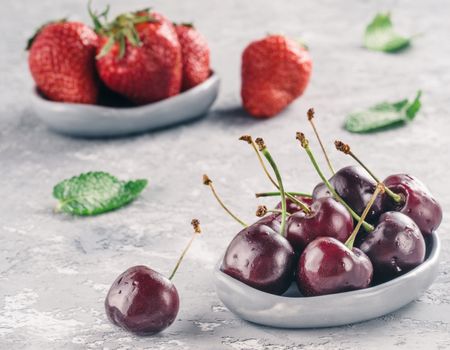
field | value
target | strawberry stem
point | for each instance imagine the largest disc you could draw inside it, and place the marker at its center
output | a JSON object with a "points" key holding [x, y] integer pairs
{"points": [[121, 30]]}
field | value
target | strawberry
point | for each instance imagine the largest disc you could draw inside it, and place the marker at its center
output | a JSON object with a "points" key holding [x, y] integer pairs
{"points": [[139, 56], [275, 71], [195, 55], [62, 62]]}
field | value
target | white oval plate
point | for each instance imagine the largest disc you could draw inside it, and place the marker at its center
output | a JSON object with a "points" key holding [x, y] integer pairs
{"points": [[100, 121], [294, 311]]}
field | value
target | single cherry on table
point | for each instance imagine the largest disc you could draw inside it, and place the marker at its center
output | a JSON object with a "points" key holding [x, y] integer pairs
{"points": [[142, 300]]}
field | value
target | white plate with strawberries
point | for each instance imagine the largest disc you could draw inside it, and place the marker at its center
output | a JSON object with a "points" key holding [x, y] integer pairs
{"points": [[135, 73], [100, 121]]}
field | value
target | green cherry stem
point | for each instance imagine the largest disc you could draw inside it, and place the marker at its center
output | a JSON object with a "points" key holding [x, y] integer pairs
{"points": [[345, 148], [310, 115], [249, 140], [276, 194], [263, 149], [305, 144], [262, 211], [351, 240], [196, 225], [208, 182]]}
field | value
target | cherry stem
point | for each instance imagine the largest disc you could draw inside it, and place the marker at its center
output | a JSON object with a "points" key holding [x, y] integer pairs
{"points": [[276, 194], [305, 144], [262, 211], [208, 182], [196, 225], [249, 140], [310, 114], [351, 240], [345, 148], [267, 155]]}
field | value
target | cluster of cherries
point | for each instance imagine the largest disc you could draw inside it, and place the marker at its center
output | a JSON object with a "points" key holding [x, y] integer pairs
{"points": [[312, 239], [354, 231]]}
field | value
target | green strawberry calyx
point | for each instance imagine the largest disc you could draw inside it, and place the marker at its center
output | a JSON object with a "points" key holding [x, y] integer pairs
{"points": [[120, 30]]}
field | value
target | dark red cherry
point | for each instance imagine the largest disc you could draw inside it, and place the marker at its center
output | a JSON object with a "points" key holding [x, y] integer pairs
{"points": [[327, 218], [327, 266], [142, 301], [292, 207], [355, 186], [394, 247], [260, 257], [418, 203]]}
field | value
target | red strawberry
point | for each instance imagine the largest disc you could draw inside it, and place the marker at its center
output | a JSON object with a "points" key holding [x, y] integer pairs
{"points": [[275, 71], [62, 62], [195, 55], [139, 56]]}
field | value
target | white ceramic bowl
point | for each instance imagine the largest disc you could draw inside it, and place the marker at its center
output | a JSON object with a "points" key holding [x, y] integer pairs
{"points": [[294, 311], [99, 121]]}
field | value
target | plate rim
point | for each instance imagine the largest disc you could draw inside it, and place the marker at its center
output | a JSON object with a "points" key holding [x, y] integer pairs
{"points": [[130, 111]]}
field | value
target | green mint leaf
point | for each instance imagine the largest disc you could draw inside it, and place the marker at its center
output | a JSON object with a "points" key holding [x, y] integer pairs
{"points": [[383, 116], [95, 193], [380, 35]]}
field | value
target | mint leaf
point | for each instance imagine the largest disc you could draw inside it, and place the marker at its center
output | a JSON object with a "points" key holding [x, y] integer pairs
{"points": [[95, 193], [380, 35], [383, 115]]}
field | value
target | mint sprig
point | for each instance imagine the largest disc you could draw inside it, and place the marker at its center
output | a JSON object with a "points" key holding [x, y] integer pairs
{"points": [[380, 35], [383, 115], [95, 193]]}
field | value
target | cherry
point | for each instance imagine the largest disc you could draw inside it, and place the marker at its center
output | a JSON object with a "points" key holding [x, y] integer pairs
{"points": [[261, 258], [142, 300], [355, 187], [326, 218], [406, 194], [327, 266], [259, 255], [417, 202], [395, 246]]}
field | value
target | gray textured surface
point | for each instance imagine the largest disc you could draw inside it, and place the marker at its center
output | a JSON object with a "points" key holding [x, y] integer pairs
{"points": [[55, 270]]}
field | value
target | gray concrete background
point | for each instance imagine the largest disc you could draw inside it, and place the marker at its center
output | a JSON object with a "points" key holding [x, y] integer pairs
{"points": [[55, 270]]}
